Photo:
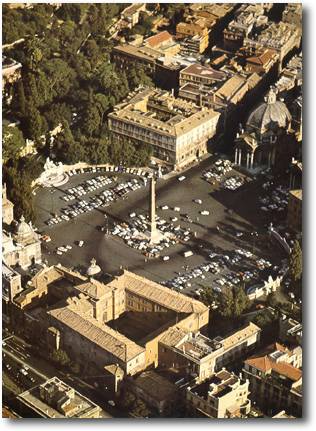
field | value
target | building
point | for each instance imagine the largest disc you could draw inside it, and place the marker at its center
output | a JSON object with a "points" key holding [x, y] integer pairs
{"points": [[11, 287], [177, 131], [98, 324], [291, 76], [155, 54], [248, 18], [163, 42], [274, 383], [281, 37], [156, 392], [11, 71], [260, 144], [200, 356], [224, 395], [193, 37], [292, 14], [54, 399], [294, 212], [260, 60], [238, 30], [128, 55], [131, 14], [23, 248], [7, 207], [201, 75], [290, 331]]}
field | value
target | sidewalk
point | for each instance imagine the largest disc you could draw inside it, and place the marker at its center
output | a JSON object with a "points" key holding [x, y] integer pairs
{"points": [[186, 168]]}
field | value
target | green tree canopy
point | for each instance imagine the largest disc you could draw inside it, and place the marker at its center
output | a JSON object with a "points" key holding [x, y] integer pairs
{"points": [[296, 262], [13, 142]]}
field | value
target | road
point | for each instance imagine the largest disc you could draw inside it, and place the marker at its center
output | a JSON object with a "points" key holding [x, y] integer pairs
{"points": [[18, 353]]}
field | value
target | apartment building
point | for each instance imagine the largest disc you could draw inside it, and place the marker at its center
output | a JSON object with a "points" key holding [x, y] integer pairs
{"points": [[54, 399], [199, 356], [201, 75], [177, 131], [224, 395], [275, 384]]}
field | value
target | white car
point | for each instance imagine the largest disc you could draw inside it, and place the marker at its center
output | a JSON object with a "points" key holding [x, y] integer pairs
{"points": [[165, 258], [165, 207], [198, 201], [181, 178], [80, 244], [204, 213], [132, 215]]}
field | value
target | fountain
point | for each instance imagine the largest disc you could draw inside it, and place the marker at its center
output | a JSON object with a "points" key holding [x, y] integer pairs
{"points": [[53, 175]]}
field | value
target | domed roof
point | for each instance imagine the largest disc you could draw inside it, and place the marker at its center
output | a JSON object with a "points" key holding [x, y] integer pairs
{"points": [[93, 268], [23, 229], [268, 115]]}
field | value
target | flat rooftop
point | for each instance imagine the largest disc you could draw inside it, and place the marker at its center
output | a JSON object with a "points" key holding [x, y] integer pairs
{"points": [[198, 346], [79, 405], [218, 385]]}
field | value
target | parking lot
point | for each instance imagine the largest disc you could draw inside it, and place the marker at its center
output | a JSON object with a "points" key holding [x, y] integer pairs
{"points": [[219, 220]]}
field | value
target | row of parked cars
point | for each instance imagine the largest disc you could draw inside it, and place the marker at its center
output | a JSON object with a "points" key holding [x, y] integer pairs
{"points": [[118, 169], [276, 198], [135, 234], [217, 172], [219, 264], [233, 182], [87, 186], [104, 199]]}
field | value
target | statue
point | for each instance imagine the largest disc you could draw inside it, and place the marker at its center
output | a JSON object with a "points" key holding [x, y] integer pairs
{"points": [[49, 164]]}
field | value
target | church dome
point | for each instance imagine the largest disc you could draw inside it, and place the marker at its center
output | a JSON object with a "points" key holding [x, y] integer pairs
{"points": [[93, 268], [23, 229], [270, 115]]}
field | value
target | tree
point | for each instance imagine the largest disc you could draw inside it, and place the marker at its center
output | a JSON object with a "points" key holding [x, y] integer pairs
{"points": [[296, 262], [13, 142], [137, 76], [60, 357], [58, 113], [92, 119], [241, 300], [59, 75], [34, 53], [96, 150], [19, 100], [226, 303], [35, 125]]}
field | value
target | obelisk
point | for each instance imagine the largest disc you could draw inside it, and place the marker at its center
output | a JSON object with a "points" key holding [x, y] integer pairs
{"points": [[152, 210]]}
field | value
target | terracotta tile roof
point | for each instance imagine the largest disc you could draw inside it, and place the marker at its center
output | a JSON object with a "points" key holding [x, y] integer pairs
{"points": [[228, 90], [266, 365], [94, 288], [102, 335], [157, 39], [173, 336], [262, 58], [161, 295], [241, 335]]}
